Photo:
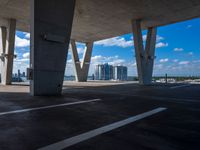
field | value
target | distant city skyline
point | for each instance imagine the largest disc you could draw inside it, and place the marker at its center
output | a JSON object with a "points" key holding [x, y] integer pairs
{"points": [[110, 72], [177, 51]]}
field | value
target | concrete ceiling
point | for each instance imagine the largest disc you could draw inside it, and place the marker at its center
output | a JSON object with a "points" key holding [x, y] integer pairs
{"points": [[100, 19]]}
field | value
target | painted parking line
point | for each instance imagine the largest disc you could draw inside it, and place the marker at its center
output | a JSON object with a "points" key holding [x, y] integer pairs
{"points": [[47, 107], [88, 135], [169, 99], [179, 86]]}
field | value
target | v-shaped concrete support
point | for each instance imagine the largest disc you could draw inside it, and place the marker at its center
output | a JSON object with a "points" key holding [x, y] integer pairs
{"points": [[7, 45], [144, 57], [81, 68]]}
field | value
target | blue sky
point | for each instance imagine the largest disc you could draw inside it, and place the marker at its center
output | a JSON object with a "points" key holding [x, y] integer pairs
{"points": [[177, 51]]}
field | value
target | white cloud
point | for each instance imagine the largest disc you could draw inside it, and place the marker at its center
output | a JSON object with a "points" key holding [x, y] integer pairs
{"points": [[27, 35], [178, 49], [113, 60], [158, 38], [164, 60], [20, 42], [26, 55], [116, 41], [190, 53], [134, 64], [22, 60], [97, 58], [117, 62], [25, 59], [189, 26], [69, 61], [196, 61], [144, 37], [122, 42], [80, 50], [158, 66], [161, 44], [175, 60], [184, 62]]}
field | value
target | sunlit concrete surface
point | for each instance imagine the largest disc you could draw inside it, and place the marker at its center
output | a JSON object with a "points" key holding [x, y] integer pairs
{"points": [[37, 122], [94, 83], [14, 88]]}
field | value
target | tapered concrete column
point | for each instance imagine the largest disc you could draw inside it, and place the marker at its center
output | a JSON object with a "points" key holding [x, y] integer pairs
{"points": [[7, 51], [51, 23], [81, 68], [144, 57]]}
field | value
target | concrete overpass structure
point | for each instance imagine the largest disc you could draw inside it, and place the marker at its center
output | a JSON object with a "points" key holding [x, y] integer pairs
{"points": [[53, 23]]}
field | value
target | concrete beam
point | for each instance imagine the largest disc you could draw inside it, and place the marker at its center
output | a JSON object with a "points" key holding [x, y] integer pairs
{"points": [[81, 69], [144, 57], [92, 24], [7, 51], [51, 23]]}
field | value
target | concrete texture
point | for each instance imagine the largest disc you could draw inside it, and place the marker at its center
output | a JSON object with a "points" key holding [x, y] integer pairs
{"points": [[95, 20], [175, 128], [50, 30], [144, 56], [7, 51], [81, 69]]}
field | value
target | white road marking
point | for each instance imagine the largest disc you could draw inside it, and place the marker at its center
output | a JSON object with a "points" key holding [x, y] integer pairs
{"points": [[47, 107], [169, 99], [179, 86], [88, 135]]}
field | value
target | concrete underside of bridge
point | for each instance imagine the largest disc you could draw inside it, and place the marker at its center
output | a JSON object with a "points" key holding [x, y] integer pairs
{"points": [[52, 23], [96, 20]]}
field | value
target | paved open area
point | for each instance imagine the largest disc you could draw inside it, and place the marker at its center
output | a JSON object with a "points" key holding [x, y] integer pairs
{"points": [[102, 116]]}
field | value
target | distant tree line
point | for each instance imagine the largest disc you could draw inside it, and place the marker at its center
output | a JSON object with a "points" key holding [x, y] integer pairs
{"points": [[177, 78]]}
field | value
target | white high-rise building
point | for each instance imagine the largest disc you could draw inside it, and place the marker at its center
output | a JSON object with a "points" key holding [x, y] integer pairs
{"points": [[120, 73], [109, 72]]}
